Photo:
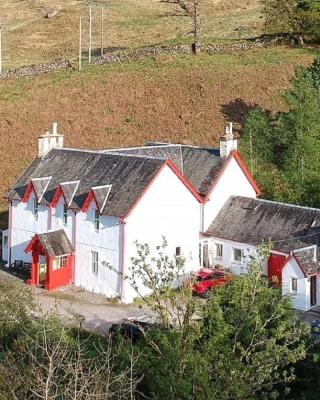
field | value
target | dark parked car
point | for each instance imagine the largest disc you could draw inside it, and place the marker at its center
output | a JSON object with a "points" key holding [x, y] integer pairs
{"points": [[133, 328], [315, 329]]}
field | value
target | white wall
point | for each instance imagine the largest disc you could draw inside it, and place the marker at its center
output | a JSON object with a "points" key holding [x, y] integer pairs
{"points": [[227, 260], [300, 299], [106, 242], [24, 226], [233, 182], [167, 209], [57, 218]]}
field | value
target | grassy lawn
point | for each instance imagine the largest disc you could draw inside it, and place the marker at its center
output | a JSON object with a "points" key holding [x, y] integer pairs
{"points": [[31, 38]]}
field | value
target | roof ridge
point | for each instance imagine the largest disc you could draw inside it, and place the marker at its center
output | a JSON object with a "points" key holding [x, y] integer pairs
{"points": [[284, 204], [113, 153]]}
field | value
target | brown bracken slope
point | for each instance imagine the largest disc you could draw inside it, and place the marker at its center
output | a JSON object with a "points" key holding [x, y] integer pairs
{"points": [[179, 99]]}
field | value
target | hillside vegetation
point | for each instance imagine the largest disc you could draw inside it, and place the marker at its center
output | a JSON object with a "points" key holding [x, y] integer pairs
{"points": [[130, 103], [31, 38], [173, 98]]}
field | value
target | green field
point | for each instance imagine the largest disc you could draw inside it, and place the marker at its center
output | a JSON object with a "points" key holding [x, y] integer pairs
{"points": [[31, 38]]}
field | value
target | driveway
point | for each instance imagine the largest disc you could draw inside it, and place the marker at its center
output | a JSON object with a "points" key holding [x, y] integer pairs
{"points": [[91, 311]]}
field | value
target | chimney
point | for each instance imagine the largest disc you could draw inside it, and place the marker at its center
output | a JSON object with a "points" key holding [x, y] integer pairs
{"points": [[50, 140], [228, 142]]}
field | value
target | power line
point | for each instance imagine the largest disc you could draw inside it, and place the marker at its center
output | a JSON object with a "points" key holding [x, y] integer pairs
{"points": [[292, 239]]}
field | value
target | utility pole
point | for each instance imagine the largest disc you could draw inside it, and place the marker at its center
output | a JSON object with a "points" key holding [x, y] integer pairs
{"points": [[101, 30], [90, 31], [80, 42], [1, 48]]}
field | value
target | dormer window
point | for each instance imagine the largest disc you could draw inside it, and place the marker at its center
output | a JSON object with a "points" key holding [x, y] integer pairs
{"points": [[96, 220], [35, 209], [65, 215]]}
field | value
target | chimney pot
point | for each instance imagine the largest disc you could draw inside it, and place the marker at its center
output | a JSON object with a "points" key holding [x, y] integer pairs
{"points": [[228, 142], [54, 128], [49, 141]]}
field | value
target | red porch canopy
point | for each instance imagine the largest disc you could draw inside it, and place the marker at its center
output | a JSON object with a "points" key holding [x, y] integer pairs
{"points": [[52, 259]]}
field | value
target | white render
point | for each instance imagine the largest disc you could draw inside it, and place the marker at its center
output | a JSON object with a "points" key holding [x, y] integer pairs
{"points": [[168, 209], [233, 182], [301, 298], [24, 226], [50, 140], [107, 243], [227, 260]]}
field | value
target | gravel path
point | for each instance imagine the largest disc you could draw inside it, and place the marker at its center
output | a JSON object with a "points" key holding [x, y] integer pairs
{"points": [[73, 304]]}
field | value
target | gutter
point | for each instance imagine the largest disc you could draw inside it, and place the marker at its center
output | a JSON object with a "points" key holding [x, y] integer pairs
{"points": [[122, 257], [10, 233], [74, 238]]}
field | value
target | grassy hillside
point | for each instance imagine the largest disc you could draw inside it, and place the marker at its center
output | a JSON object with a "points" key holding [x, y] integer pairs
{"points": [[182, 99], [31, 38]]}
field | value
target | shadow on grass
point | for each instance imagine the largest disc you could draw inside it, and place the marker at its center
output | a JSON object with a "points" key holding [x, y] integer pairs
{"points": [[237, 110]]}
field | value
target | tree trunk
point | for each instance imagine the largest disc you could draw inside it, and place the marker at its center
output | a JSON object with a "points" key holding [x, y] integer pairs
{"points": [[196, 26]]}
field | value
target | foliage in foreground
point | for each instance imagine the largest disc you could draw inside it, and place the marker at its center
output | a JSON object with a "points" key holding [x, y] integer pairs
{"points": [[283, 150], [41, 358], [244, 346]]}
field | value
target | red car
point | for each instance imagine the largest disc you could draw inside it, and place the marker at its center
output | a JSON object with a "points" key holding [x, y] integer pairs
{"points": [[207, 278]]}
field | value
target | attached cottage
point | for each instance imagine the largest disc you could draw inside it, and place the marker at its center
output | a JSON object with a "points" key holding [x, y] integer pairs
{"points": [[293, 231], [74, 210]]}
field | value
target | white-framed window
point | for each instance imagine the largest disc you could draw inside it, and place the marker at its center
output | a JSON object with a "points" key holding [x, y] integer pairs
{"points": [[60, 262], [178, 251], [294, 285], [237, 255], [65, 215], [96, 220], [5, 241], [95, 262], [218, 250], [35, 209]]}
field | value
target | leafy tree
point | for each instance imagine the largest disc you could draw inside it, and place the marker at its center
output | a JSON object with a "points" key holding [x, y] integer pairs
{"points": [[16, 310], [309, 14], [281, 16], [283, 151], [314, 73], [252, 336], [239, 345], [42, 358], [295, 17], [299, 128], [258, 147]]}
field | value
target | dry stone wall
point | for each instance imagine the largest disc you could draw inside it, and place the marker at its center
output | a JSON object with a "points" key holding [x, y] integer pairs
{"points": [[141, 53]]}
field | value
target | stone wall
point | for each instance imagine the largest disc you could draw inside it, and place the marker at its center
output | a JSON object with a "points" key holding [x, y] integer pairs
{"points": [[132, 55]]}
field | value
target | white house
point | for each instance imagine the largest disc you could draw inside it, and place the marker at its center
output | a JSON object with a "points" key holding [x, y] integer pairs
{"points": [[245, 223], [74, 210]]}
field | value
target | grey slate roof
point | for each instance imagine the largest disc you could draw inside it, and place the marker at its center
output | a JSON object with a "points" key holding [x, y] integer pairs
{"points": [[128, 175], [69, 190], [308, 261], [101, 195], [56, 243], [200, 165], [255, 221], [40, 185]]}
